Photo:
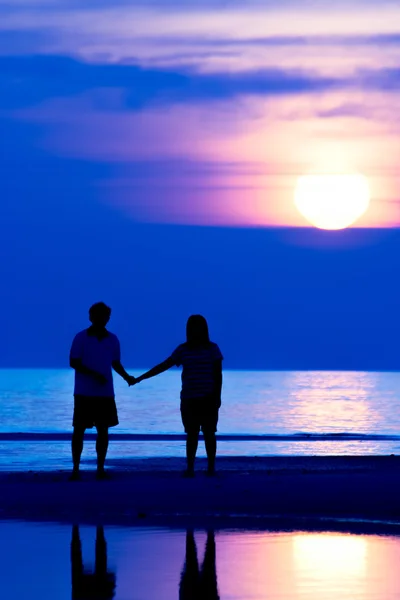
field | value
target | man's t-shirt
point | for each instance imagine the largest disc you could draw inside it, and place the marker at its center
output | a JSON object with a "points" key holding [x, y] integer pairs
{"points": [[97, 355], [198, 364]]}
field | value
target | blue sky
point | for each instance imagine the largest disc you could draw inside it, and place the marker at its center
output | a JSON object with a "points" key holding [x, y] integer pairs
{"points": [[150, 154]]}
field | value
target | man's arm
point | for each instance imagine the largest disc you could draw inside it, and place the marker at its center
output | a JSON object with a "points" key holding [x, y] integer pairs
{"points": [[117, 365], [164, 366], [76, 363], [118, 368]]}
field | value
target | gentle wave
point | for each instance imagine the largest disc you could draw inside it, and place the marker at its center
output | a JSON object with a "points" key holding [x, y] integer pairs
{"points": [[170, 437]]}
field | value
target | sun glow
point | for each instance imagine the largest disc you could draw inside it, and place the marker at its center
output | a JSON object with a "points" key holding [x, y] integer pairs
{"points": [[331, 556], [332, 201]]}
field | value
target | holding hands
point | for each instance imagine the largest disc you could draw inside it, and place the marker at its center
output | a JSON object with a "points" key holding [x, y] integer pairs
{"points": [[102, 379]]}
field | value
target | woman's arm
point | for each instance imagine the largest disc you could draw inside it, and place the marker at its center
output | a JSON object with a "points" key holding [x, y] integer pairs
{"points": [[218, 380], [164, 366]]}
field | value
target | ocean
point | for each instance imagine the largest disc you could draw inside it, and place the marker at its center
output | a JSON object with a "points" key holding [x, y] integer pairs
{"points": [[330, 406]]}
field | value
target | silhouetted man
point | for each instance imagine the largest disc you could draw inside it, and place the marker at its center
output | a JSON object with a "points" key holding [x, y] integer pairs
{"points": [[98, 585], [199, 584], [94, 353]]}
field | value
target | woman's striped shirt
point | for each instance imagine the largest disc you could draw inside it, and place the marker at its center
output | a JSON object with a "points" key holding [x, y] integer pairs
{"points": [[198, 368]]}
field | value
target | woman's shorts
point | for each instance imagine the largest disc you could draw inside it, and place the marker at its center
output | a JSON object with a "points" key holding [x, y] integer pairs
{"points": [[97, 411], [200, 413]]}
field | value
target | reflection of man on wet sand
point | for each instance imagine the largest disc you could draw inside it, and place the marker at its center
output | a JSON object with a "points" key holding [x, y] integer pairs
{"points": [[199, 584], [100, 584]]}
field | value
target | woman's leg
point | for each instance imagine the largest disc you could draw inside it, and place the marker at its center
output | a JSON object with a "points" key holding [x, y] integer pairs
{"points": [[191, 424], [209, 427]]}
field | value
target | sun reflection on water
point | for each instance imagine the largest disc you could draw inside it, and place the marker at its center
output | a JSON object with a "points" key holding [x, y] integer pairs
{"points": [[333, 402], [337, 563], [330, 555], [308, 566]]}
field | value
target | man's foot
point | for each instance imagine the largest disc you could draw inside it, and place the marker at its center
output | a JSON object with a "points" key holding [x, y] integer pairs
{"points": [[188, 473], [75, 476], [102, 475], [211, 473]]}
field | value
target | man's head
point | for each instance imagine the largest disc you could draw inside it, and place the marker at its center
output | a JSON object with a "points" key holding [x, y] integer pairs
{"points": [[99, 314]]}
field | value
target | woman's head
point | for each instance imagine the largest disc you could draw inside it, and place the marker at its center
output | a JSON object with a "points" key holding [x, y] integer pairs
{"points": [[197, 331]]}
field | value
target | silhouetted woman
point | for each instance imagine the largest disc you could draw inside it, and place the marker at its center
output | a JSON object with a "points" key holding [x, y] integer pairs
{"points": [[201, 362]]}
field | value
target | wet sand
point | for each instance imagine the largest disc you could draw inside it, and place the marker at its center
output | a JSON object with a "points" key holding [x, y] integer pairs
{"points": [[246, 490]]}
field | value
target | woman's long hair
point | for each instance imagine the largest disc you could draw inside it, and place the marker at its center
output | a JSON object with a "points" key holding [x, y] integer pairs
{"points": [[197, 331]]}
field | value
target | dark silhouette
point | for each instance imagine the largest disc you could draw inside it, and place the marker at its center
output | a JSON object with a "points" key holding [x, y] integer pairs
{"points": [[101, 583], [201, 362], [199, 583], [94, 353]]}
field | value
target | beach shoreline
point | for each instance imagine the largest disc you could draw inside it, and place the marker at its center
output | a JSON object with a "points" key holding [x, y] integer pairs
{"points": [[256, 490]]}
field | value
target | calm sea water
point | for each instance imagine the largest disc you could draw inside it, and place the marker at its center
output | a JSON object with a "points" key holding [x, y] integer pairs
{"points": [[253, 402], [57, 561]]}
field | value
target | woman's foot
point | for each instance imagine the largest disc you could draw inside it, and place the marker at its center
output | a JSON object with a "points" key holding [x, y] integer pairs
{"points": [[188, 474], [102, 475], [211, 467], [75, 475]]}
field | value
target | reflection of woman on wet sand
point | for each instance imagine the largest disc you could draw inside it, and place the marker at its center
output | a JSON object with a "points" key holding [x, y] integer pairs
{"points": [[101, 583], [199, 584]]}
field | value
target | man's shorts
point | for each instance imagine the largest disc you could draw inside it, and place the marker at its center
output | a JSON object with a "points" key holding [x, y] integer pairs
{"points": [[200, 413], [97, 411]]}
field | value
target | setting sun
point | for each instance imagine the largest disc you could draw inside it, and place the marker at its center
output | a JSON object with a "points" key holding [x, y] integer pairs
{"points": [[332, 201]]}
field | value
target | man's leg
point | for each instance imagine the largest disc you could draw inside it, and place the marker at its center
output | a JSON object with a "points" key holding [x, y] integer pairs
{"points": [[101, 448], [210, 442], [77, 447], [192, 441]]}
